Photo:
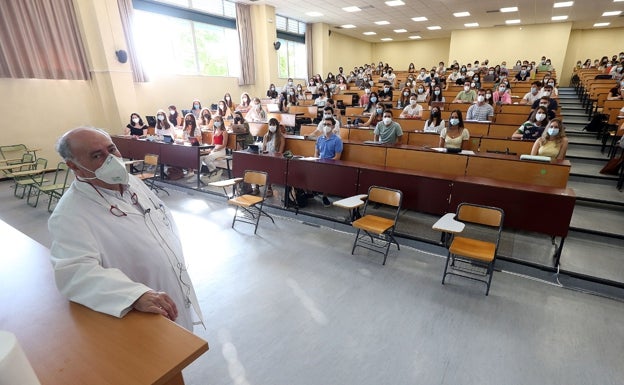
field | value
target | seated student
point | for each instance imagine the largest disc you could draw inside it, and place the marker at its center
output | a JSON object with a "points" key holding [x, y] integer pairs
{"points": [[617, 92], [480, 111], [321, 100], [405, 98], [467, 95], [239, 120], [287, 100], [205, 120], [190, 128], [413, 110], [490, 76], [136, 127], [341, 84], [437, 98], [422, 94], [502, 95], [455, 77], [300, 94], [553, 142], [163, 125], [271, 92], [532, 95], [550, 82], [245, 104], [435, 123], [219, 141], [228, 102], [365, 99], [375, 117], [174, 118], [196, 108], [385, 95], [523, 75], [534, 127], [328, 146], [364, 82], [489, 98], [387, 131], [223, 111], [256, 113], [328, 112], [312, 88], [456, 135], [547, 102]]}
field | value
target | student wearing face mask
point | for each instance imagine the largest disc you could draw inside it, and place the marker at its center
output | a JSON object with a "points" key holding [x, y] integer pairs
{"points": [[365, 98], [196, 108], [219, 141], [404, 98], [534, 127], [390, 76], [617, 92], [548, 102], [435, 123], [437, 98], [136, 127], [223, 110], [163, 125], [412, 110], [422, 93], [553, 142], [385, 95], [523, 75], [533, 94], [245, 104], [467, 95], [411, 69], [616, 71], [328, 146], [455, 136], [271, 92], [205, 120], [289, 84], [387, 131], [256, 113], [174, 117], [372, 102], [551, 84], [502, 95], [190, 128], [321, 100], [376, 116], [489, 98], [480, 111], [328, 112]]}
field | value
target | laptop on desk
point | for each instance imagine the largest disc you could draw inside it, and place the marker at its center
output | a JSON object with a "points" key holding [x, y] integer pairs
{"points": [[273, 107], [193, 140], [167, 139]]}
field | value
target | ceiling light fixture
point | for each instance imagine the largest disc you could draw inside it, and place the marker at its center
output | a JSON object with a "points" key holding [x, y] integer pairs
{"points": [[382, 22], [601, 24], [514, 21], [611, 13], [559, 18], [314, 14], [419, 18], [351, 9], [461, 14], [434, 27], [386, 39], [509, 9], [400, 30], [563, 4], [369, 33], [347, 26], [394, 3], [415, 37], [469, 25]]}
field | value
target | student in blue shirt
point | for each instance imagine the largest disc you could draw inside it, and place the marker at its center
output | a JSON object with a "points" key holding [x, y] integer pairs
{"points": [[328, 146]]}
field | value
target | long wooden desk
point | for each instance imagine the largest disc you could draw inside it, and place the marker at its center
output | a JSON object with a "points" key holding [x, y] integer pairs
{"points": [[67, 343], [176, 155]]}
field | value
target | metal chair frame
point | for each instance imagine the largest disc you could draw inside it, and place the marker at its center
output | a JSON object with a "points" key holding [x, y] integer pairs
{"points": [[251, 205]]}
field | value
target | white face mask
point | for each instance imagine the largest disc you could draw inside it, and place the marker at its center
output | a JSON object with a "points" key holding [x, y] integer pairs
{"points": [[161, 118], [480, 98], [501, 89], [540, 117], [272, 128], [387, 121], [258, 107], [172, 112], [112, 171], [406, 93], [327, 129], [135, 120], [217, 124], [466, 88], [454, 121], [367, 91], [553, 131], [546, 93], [413, 102]]}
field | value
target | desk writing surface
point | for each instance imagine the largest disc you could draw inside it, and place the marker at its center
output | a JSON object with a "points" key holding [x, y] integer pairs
{"points": [[301, 147], [67, 343], [540, 209], [513, 145], [273, 164], [372, 154], [426, 160]]}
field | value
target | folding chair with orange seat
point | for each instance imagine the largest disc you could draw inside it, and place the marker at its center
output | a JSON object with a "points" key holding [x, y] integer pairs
{"points": [[473, 256], [150, 171], [379, 229], [251, 205]]}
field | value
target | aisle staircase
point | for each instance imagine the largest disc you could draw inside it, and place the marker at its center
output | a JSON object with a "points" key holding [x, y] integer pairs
{"points": [[595, 245]]}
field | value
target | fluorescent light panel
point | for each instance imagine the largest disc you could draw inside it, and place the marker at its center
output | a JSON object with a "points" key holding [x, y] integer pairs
{"points": [[469, 25], [314, 14], [563, 4], [612, 13], [461, 14], [418, 37], [369, 33], [382, 22], [509, 9], [394, 3], [601, 24], [434, 27], [351, 9], [419, 18], [386, 39], [514, 21], [402, 30], [347, 26], [559, 18]]}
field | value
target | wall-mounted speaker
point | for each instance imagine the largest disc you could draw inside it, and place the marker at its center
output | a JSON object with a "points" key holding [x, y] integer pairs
{"points": [[277, 45], [122, 56]]}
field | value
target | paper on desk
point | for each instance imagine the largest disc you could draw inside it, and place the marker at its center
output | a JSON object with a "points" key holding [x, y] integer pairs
{"points": [[467, 152], [310, 158]]}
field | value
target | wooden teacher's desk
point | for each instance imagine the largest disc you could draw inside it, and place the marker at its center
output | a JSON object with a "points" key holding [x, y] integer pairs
{"points": [[67, 343]]}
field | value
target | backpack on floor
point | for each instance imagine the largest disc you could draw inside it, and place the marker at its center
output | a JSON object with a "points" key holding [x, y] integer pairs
{"points": [[597, 123]]}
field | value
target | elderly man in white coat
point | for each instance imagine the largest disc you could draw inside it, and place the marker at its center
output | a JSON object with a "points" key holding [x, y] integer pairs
{"points": [[115, 245]]}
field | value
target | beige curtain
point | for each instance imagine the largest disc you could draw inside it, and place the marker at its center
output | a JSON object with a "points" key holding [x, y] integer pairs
{"points": [[309, 49], [246, 44], [40, 39], [126, 12]]}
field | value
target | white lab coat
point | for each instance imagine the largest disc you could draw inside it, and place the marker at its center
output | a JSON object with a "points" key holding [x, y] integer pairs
{"points": [[106, 262]]}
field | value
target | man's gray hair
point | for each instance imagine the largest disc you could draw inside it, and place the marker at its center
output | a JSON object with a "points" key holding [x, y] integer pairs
{"points": [[63, 146]]}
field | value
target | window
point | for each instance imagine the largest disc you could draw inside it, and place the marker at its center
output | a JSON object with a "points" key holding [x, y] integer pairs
{"points": [[292, 55], [178, 40]]}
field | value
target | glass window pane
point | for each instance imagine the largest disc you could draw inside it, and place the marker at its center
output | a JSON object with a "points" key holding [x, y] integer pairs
{"points": [[214, 7], [229, 9], [180, 3], [280, 23]]}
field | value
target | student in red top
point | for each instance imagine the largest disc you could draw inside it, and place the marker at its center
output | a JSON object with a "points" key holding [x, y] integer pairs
{"points": [[219, 140]]}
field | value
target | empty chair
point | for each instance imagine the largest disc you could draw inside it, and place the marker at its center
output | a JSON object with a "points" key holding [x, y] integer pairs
{"points": [[378, 229], [250, 206], [473, 255], [27, 178], [54, 190], [150, 171]]}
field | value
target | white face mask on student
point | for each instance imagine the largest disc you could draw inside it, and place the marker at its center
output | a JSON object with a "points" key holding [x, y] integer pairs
{"points": [[112, 171]]}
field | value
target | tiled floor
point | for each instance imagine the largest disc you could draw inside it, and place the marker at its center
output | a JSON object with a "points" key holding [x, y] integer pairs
{"points": [[291, 305]]}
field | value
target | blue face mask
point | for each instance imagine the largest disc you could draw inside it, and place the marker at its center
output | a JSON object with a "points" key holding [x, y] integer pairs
{"points": [[379, 110], [373, 99]]}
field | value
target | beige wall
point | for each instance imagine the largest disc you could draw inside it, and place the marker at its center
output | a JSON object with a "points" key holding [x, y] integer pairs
{"points": [[345, 51], [423, 53]]}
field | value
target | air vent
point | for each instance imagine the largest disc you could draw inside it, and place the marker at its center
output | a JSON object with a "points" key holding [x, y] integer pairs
{"points": [[493, 11], [337, 27], [367, 7]]}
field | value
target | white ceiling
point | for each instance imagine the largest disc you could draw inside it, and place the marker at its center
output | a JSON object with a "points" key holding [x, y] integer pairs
{"points": [[583, 14]]}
